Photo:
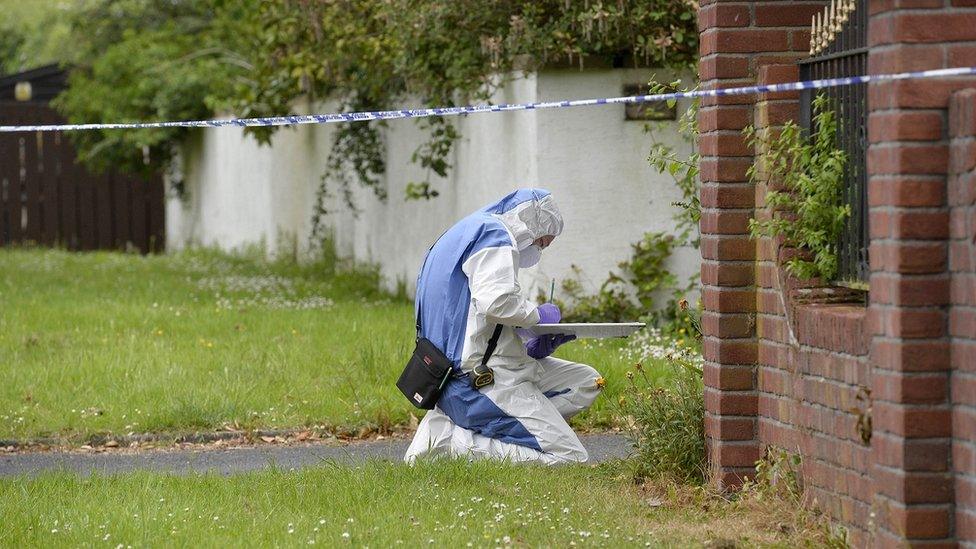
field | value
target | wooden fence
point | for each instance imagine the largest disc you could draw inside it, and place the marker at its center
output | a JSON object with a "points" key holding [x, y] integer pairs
{"points": [[47, 198]]}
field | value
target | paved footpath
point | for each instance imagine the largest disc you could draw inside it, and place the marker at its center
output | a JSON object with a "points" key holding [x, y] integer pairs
{"points": [[228, 461]]}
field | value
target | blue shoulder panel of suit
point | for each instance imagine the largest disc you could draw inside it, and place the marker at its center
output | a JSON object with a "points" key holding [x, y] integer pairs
{"points": [[443, 296]]}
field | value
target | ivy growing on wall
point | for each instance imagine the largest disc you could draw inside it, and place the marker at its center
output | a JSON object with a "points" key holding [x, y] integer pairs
{"points": [[439, 53], [683, 169]]}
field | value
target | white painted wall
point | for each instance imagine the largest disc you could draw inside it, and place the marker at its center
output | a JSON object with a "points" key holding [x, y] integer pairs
{"points": [[594, 162]]}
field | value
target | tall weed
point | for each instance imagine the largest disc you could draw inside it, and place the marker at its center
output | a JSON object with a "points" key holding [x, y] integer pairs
{"points": [[779, 483], [667, 423], [806, 202]]}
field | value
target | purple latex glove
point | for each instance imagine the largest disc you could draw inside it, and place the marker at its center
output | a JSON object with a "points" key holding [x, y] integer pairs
{"points": [[544, 345], [549, 314]]}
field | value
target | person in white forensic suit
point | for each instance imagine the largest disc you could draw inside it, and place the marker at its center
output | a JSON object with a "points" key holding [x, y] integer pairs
{"points": [[468, 286]]}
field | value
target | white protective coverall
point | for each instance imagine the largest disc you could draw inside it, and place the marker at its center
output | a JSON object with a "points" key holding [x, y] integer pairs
{"points": [[469, 283]]}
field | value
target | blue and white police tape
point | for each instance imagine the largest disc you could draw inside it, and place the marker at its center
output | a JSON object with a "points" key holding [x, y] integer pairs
{"points": [[472, 109]]}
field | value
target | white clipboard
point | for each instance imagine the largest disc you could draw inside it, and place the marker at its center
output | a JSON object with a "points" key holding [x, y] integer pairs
{"points": [[586, 330]]}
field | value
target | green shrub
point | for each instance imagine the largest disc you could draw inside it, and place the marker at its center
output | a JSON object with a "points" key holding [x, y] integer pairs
{"points": [[630, 293], [611, 303], [667, 424], [666, 159], [777, 476], [636, 291], [809, 212]]}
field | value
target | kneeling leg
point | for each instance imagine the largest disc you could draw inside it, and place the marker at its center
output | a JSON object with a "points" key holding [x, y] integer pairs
{"points": [[572, 387]]}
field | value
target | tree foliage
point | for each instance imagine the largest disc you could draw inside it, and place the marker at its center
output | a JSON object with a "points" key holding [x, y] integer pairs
{"points": [[442, 53], [32, 33], [165, 59], [150, 60]]}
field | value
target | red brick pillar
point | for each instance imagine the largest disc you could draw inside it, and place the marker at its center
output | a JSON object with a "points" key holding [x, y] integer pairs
{"points": [[779, 409], [962, 314], [908, 315], [736, 39]]}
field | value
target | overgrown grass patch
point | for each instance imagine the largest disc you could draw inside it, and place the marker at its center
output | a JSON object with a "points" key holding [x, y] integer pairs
{"points": [[667, 421], [443, 503], [107, 343]]}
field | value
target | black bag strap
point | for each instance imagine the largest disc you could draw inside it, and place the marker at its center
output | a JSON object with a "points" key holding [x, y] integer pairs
{"points": [[417, 312], [482, 376], [422, 266], [491, 344]]}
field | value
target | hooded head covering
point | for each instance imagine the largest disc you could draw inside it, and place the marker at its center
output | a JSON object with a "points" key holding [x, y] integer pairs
{"points": [[529, 214]]}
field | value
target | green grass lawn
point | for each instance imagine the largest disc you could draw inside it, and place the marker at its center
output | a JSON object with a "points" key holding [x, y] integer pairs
{"points": [[107, 343], [443, 504]]}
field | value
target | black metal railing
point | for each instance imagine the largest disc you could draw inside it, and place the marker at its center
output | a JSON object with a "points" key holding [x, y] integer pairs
{"points": [[846, 54]]}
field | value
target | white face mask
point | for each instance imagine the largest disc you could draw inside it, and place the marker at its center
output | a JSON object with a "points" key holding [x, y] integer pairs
{"points": [[530, 256]]}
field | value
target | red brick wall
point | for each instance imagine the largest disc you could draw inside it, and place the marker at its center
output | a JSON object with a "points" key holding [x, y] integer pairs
{"points": [[812, 359], [910, 318], [737, 38], [782, 370], [962, 314]]}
